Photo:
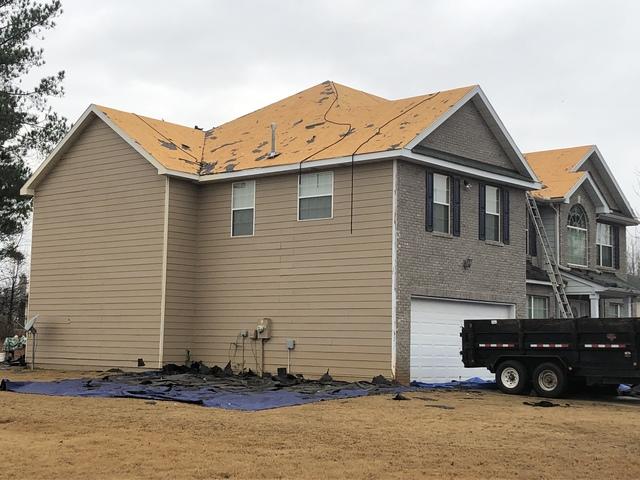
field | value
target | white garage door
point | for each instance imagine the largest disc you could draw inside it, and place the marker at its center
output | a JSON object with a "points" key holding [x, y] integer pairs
{"points": [[435, 337]]}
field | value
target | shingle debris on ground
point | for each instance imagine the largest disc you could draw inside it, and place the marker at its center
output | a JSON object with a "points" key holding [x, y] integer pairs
{"points": [[209, 387]]}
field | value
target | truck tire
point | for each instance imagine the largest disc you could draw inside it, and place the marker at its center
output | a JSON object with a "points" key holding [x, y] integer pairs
{"points": [[512, 377], [550, 380]]}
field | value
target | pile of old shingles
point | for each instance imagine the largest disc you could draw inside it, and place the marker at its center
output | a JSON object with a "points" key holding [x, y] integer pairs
{"points": [[216, 379]]}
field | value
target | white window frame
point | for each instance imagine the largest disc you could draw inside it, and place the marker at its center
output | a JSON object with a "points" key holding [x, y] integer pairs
{"points": [[530, 305], [300, 197], [448, 204], [586, 241], [499, 214], [253, 207], [608, 245]]}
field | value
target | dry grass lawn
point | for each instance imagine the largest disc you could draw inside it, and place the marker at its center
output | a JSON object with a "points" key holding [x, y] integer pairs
{"points": [[484, 435]]}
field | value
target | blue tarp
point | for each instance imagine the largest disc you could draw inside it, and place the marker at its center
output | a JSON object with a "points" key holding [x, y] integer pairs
{"points": [[474, 383], [205, 396]]}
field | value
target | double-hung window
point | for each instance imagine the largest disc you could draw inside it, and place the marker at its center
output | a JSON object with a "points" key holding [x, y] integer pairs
{"points": [[537, 306], [315, 196], [243, 204], [441, 203], [605, 244], [493, 212]]}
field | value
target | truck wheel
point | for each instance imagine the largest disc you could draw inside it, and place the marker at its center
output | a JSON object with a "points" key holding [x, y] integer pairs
{"points": [[549, 380], [512, 377]]}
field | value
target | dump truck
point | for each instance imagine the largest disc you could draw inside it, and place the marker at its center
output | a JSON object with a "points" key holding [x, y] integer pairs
{"points": [[552, 354]]}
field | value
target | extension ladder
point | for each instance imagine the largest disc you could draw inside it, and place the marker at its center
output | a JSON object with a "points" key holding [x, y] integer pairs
{"points": [[549, 260]]}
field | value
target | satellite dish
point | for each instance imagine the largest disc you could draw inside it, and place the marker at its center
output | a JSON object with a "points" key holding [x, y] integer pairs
{"points": [[31, 323]]}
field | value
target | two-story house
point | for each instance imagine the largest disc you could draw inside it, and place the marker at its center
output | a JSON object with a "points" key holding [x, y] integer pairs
{"points": [[364, 230], [585, 214]]}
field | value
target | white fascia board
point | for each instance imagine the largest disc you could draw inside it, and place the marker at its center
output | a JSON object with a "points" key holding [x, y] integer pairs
{"points": [[612, 178], [604, 207], [444, 117], [135, 145], [471, 171], [29, 187], [538, 282], [404, 154]]}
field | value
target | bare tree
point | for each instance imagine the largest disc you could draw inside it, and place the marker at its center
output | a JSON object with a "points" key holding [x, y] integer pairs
{"points": [[633, 242], [13, 291]]}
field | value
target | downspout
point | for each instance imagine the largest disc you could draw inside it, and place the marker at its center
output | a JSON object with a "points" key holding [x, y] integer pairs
{"points": [[394, 267], [163, 288]]}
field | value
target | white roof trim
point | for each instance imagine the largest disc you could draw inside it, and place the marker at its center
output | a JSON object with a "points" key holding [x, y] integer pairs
{"points": [[444, 117], [29, 187], [596, 150], [538, 282], [604, 207], [403, 154]]}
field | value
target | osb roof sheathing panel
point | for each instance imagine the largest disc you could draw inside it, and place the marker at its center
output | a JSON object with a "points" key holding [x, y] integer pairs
{"points": [[553, 168], [325, 121], [328, 120], [176, 147]]}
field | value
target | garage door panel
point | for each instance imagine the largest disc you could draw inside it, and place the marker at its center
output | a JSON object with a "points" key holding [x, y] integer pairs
{"points": [[435, 337]]}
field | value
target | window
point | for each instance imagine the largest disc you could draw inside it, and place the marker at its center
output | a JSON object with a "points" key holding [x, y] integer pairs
{"points": [[614, 310], [537, 307], [243, 202], [492, 213], [315, 196], [604, 243], [441, 202], [577, 236]]}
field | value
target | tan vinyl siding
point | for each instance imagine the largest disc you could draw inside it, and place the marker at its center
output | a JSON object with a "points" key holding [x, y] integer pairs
{"points": [[181, 263], [97, 256], [322, 286]]}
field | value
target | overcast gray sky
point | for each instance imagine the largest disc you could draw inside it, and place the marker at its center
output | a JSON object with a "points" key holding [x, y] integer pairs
{"points": [[558, 73]]}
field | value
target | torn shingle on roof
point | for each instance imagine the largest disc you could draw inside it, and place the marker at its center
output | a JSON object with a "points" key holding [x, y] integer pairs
{"points": [[328, 120]]}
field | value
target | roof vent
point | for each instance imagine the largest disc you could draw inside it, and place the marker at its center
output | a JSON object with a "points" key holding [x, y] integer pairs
{"points": [[273, 152]]}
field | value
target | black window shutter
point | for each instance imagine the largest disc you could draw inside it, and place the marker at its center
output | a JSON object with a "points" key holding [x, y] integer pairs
{"points": [[616, 246], [505, 216], [429, 204], [533, 238], [456, 207], [482, 207]]}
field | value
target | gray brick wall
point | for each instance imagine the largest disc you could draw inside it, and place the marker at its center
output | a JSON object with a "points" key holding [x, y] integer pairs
{"points": [[429, 264], [466, 134]]}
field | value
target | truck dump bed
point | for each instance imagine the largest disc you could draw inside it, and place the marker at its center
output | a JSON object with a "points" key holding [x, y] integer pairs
{"points": [[601, 350]]}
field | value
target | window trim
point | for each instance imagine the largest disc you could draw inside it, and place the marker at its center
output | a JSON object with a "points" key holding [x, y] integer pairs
{"points": [[530, 306], [315, 196], [253, 207], [499, 214], [448, 204], [610, 245]]}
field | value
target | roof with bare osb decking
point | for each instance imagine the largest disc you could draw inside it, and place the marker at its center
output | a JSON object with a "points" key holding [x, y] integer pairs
{"points": [[556, 170], [326, 121]]}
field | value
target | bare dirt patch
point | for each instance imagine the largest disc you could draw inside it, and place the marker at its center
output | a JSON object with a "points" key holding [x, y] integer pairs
{"points": [[433, 435]]}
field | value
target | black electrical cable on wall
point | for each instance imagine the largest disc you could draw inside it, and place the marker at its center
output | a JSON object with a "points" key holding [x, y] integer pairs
{"points": [[379, 129]]}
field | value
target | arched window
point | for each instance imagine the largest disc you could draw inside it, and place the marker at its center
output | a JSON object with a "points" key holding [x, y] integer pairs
{"points": [[577, 234]]}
